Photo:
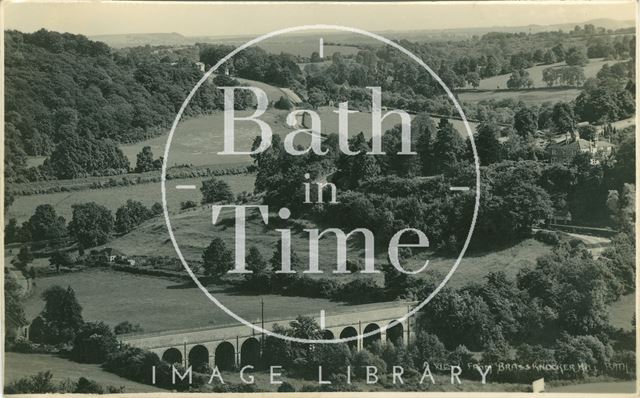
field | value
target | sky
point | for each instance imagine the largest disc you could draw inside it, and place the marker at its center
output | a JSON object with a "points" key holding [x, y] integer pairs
{"points": [[234, 19]]}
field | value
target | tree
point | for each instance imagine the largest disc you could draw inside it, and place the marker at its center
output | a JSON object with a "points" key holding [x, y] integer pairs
{"points": [[215, 190], [317, 97], [549, 57], [11, 231], [576, 56], [458, 317], [575, 290], [45, 224], [355, 169], [588, 132], [78, 156], [562, 117], [23, 258], [130, 215], [448, 147], [91, 224], [217, 259], [60, 259], [550, 76], [519, 79], [156, 209], [619, 258], [473, 78], [283, 103], [622, 208], [315, 57], [259, 279], [588, 350], [61, 316], [487, 144], [424, 131], [14, 306], [559, 52], [144, 160], [93, 343], [525, 121]]}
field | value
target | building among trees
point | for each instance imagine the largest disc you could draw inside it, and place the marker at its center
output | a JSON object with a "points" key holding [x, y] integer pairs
{"points": [[565, 149]]}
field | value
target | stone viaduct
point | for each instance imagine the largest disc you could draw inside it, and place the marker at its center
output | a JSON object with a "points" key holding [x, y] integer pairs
{"points": [[232, 346]]}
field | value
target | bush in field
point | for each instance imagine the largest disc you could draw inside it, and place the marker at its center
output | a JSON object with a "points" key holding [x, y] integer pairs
{"points": [[93, 343], [217, 259], [126, 327], [187, 204], [215, 190], [61, 259]]}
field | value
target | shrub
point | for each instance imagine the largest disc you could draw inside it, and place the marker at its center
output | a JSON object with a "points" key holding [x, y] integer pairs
{"points": [[187, 204], [126, 327], [39, 384], [93, 343], [364, 358], [283, 103], [286, 387], [215, 190], [360, 291], [548, 237], [86, 386]]}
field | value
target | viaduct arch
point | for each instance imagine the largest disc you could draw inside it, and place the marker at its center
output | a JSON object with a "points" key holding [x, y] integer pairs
{"points": [[233, 346]]}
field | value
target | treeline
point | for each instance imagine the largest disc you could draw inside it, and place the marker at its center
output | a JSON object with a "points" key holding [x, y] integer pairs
{"points": [[68, 91], [365, 198], [254, 63], [91, 224]]}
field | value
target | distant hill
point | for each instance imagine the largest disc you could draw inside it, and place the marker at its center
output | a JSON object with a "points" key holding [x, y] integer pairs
{"points": [[176, 39], [142, 39]]}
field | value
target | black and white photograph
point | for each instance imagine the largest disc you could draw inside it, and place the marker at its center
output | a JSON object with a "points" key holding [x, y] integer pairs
{"points": [[411, 198]]}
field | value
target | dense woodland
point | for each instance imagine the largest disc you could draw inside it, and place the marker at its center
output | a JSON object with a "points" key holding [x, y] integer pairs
{"points": [[67, 90]]}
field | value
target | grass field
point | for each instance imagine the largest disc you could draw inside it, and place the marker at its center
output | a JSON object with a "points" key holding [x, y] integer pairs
{"points": [[622, 311], [531, 97], [160, 304], [614, 387], [535, 73], [112, 198], [18, 365], [361, 122], [193, 231]]}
